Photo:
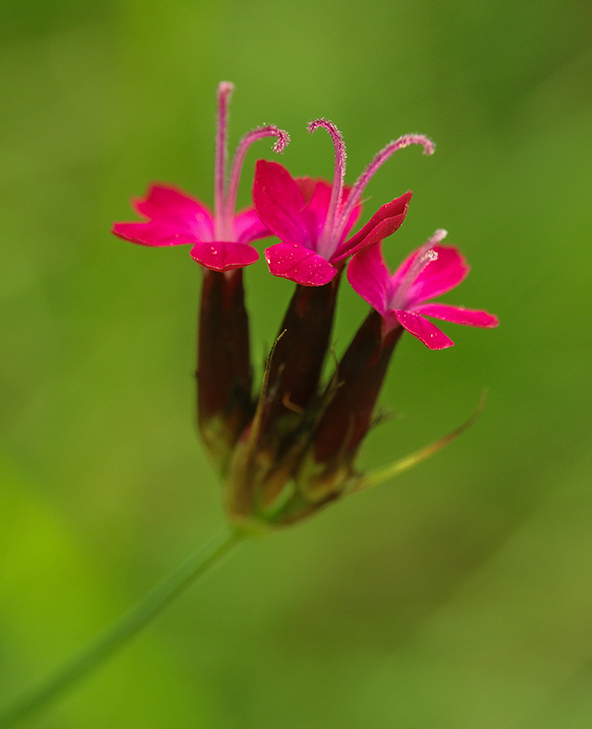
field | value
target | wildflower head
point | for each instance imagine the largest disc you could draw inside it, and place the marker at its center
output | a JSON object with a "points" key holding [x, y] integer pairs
{"points": [[220, 240], [313, 218], [287, 452], [402, 298]]}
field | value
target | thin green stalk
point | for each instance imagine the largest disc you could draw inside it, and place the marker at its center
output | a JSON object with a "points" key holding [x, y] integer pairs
{"points": [[122, 630]]}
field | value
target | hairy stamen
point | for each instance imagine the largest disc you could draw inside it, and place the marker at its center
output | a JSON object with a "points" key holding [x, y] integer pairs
{"points": [[424, 256], [328, 240], [283, 139], [225, 89], [356, 193]]}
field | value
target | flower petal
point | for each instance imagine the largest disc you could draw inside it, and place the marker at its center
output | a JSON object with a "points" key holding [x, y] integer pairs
{"points": [[279, 202], [154, 233], [299, 264], [382, 224], [423, 329], [316, 208], [248, 226], [223, 256], [369, 276], [458, 315], [438, 277], [176, 218], [317, 195], [164, 202], [307, 187]]}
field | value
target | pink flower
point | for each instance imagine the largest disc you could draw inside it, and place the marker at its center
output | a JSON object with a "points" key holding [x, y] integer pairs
{"points": [[429, 271], [220, 240], [312, 218]]}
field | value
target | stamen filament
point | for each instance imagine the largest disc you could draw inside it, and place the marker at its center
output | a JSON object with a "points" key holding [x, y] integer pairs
{"points": [[225, 89], [283, 139], [424, 256], [328, 241], [356, 193]]}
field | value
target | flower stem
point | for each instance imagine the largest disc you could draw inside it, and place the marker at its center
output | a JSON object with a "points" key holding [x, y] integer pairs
{"points": [[130, 623]]}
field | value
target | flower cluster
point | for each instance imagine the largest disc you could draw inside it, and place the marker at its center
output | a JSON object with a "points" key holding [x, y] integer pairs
{"points": [[288, 451]]}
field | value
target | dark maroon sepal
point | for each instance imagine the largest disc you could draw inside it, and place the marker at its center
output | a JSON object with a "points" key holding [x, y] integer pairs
{"points": [[359, 377], [224, 375]]}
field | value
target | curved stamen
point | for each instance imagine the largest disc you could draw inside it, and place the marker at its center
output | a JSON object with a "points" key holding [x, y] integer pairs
{"points": [[424, 256], [356, 193], [327, 235], [225, 89], [283, 139]]}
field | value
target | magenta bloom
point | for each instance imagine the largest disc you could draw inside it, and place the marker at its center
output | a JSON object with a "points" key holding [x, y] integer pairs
{"points": [[428, 272], [220, 240], [312, 219]]}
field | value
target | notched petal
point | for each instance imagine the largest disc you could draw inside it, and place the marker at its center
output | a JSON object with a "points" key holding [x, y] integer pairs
{"points": [[459, 315], [154, 233], [383, 223], [279, 202], [422, 329], [222, 256], [163, 200], [369, 277], [168, 203], [440, 276], [299, 264], [175, 219], [248, 227]]}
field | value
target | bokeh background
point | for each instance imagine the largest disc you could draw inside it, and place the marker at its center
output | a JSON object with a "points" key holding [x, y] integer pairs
{"points": [[458, 596]]}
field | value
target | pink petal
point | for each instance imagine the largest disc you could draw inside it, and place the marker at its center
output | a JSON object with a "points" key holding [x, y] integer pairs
{"points": [[458, 315], [171, 204], [299, 264], [248, 227], [369, 276], [176, 219], [439, 276], [382, 224], [423, 329], [279, 202], [319, 207], [316, 209], [307, 187], [317, 195], [155, 233], [222, 256], [399, 275]]}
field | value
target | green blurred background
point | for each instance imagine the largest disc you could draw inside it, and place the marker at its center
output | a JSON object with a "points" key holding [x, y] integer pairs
{"points": [[457, 597]]}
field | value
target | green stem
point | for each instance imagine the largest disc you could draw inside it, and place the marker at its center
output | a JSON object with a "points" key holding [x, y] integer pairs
{"points": [[123, 629]]}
